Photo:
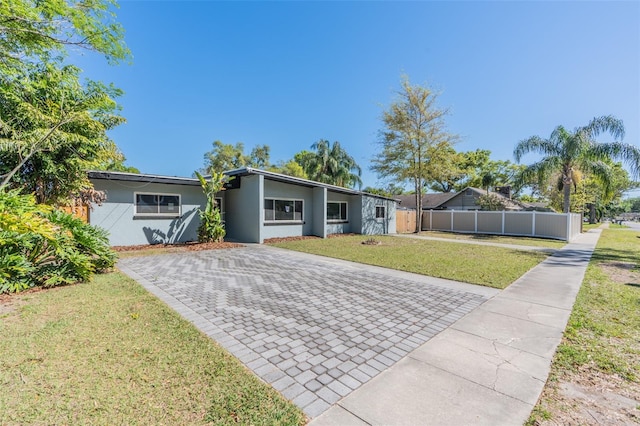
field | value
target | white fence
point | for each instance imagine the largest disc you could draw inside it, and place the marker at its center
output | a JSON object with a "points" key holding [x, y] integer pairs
{"points": [[561, 226]]}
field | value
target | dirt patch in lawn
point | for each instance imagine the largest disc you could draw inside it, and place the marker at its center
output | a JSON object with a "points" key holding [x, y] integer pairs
{"points": [[590, 397], [178, 247], [8, 304], [622, 272]]}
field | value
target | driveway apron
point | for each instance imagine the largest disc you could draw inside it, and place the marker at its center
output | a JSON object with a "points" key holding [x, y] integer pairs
{"points": [[314, 328]]}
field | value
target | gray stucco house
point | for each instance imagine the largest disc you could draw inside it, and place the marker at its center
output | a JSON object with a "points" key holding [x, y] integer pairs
{"points": [[257, 205]]}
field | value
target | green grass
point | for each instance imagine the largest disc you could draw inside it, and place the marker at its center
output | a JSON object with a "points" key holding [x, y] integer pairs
{"points": [[603, 333], [604, 327], [485, 265], [588, 226], [500, 239], [108, 352]]}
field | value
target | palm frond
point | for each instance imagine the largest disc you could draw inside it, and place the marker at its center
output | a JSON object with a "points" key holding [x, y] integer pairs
{"points": [[605, 124]]}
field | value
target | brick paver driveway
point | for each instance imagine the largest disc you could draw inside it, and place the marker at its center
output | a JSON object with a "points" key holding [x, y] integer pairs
{"points": [[314, 328]]}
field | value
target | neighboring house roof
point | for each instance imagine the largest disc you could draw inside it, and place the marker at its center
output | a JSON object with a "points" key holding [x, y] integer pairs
{"points": [[509, 203], [429, 201], [245, 171], [438, 200], [539, 206]]}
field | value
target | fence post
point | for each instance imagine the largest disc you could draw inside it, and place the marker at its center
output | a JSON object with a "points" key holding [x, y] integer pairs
{"points": [[452, 220], [431, 220], [475, 224], [533, 224], [568, 226], [502, 222]]}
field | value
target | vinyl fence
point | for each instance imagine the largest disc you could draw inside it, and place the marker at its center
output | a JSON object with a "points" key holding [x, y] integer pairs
{"points": [[561, 226]]}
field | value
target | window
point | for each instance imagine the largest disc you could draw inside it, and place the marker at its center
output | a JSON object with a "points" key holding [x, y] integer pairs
{"points": [[337, 211], [282, 210], [380, 212], [157, 204]]}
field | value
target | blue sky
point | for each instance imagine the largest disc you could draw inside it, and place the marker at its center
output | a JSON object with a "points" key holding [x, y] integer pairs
{"points": [[287, 74]]}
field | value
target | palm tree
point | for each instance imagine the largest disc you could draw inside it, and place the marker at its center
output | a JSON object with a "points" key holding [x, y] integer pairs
{"points": [[569, 153], [333, 165]]}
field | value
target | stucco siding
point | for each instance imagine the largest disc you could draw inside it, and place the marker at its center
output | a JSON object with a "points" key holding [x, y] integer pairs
{"points": [[372, 225], [244, 210], [319, 216], [117, 214]]}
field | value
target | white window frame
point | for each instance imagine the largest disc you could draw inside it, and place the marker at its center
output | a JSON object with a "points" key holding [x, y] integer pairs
{"points": [[158, 194], [384, 212], [346, 211], [283, 221]]}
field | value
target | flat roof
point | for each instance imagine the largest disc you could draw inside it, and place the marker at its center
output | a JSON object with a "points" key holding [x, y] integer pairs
{"points": [[243, 171], [279, 177], [140, 177]]}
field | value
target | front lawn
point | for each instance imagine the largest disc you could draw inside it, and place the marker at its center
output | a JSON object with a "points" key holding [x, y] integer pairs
{"points": [[108, 352], [500, 239], [596, 370], [485, 265]]}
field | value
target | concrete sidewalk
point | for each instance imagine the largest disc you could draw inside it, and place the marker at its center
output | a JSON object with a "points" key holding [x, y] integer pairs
{"points": [[489, 367]]}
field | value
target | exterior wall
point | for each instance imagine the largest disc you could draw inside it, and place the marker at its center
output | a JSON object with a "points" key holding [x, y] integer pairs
{"points": [[319, 212], [355, 219], [244, 210], [273, 189], [116, 214], [537, 224], [353, 212], [462, 202], [373, 226]]}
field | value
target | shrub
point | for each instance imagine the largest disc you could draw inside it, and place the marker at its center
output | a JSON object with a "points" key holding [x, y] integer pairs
{"points": [[41, 246], [211, 228]]}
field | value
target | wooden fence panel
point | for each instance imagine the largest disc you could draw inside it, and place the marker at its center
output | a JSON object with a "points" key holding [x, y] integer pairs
{"points": [[81, 212], [405, 221]]}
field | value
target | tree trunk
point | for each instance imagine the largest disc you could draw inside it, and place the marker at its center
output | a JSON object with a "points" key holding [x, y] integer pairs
{"points": [[592, 212], [566, 204], [418, 206]]}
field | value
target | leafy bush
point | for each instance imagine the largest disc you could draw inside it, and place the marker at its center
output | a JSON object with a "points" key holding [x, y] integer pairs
{"points": [[41, 246], [211, 228]]}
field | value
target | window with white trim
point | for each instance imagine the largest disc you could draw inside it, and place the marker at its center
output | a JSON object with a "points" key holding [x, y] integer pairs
{"points": [[154, 204], [277, 210], [380, 213], [336, 211]]}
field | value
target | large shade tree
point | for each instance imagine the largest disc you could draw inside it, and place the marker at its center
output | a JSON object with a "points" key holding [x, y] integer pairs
{"points": [[52, 129], [412, 139], [571, 153], [52, 126]]}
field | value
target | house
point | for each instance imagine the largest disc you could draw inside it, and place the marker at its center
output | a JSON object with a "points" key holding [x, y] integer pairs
{"points": [[256, 205], [467, 199]]}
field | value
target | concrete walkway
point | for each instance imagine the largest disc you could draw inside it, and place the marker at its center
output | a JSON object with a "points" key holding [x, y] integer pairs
{"points": [[489, 367], [479, 243]]}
